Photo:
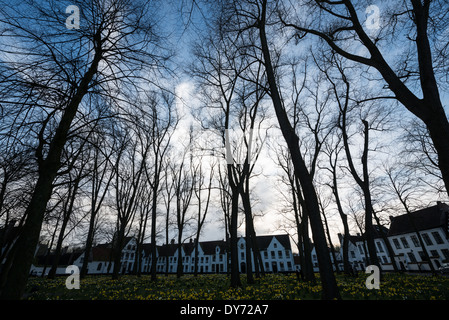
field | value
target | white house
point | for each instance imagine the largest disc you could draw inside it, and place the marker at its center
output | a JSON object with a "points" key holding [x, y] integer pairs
{"points": [[213, 258], [431, 224], [275, 251], [358, 250]]}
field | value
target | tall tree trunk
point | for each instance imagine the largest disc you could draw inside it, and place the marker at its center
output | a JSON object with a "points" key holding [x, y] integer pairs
{"points": [[235, 274], [344, 220], [329, 284], [88, 247], [309, 274], [248, 251], [57, 253], [155, 188], [29, 237], [118, 246]]}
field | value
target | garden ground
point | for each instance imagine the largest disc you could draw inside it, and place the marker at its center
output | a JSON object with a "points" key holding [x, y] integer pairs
{"points": [[216, 287]]}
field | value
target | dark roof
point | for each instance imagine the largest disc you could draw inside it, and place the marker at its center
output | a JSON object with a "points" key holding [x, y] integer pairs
{"points": [[428, 218], [101, 253], [264, 241], [210, 246], [167, 249], [359, 238], [64, 259]]}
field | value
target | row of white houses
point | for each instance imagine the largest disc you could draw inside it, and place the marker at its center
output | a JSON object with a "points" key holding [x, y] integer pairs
{"points": [[430, 224], [407, 235], [275, 250]]}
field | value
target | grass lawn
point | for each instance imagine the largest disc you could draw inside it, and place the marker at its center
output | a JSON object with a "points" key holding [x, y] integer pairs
{"points": [[216, 287]]}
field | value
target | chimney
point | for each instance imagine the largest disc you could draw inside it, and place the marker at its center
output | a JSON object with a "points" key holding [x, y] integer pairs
{"points": [[172, 241]]}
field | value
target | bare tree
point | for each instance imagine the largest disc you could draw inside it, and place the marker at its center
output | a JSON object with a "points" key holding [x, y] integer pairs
{"points": [[218, 72], [333, 153], [163, 125], [184, 174], [102, 174], [127, 184], [404, 186], [200, 187], [338, 24], [74, 186], [63, 67], [260, 21]]}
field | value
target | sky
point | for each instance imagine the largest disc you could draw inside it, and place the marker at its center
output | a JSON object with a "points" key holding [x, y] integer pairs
{"points": [[265, 186]]}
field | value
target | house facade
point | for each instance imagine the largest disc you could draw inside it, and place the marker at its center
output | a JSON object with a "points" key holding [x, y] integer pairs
{"points": [[212, 257], [410, 236], [422, 231], [358, 251]]}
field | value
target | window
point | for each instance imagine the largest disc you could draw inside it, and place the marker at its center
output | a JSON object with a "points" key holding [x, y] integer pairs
{"points": [[396, 243], [280, 254], [404, 242], [411, 256], [360, 248], [445, 253], [289, 265], [352, 254], [379, 247], [287, 253], [427, 240], [265, 253], [415, 241], [434, 254], [273, 255], [242, 255], [437, 237], [275, 245], [422, 255], [99, 266]]}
